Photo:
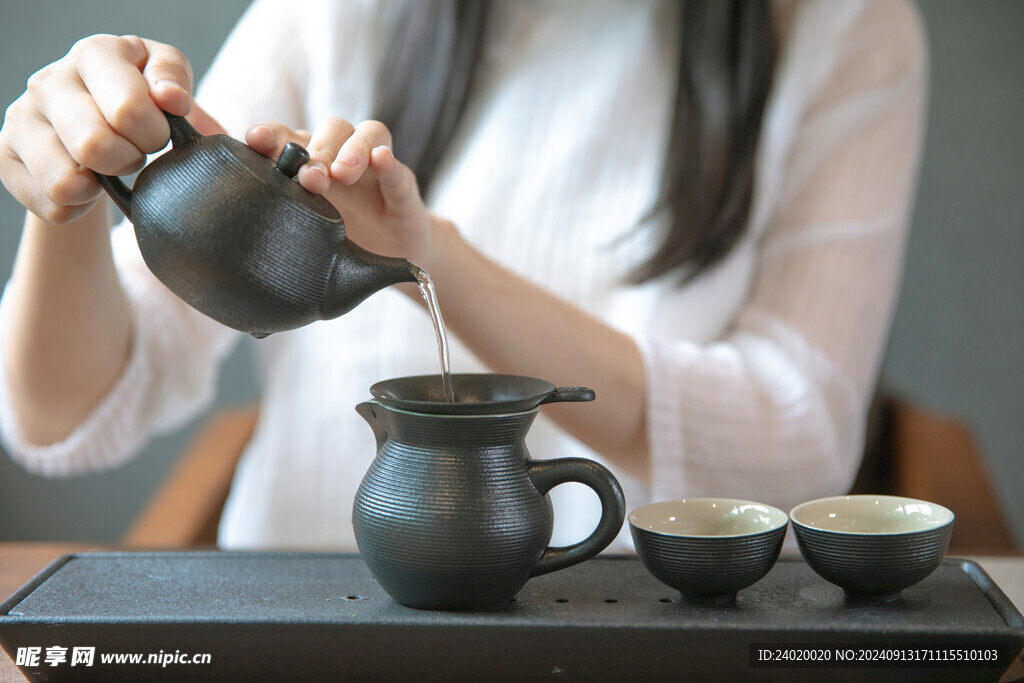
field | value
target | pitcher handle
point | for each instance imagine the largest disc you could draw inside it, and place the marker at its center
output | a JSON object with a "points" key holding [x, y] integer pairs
{"points": [[546, 475]]}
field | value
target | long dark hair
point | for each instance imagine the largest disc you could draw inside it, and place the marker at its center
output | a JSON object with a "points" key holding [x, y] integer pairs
{"points": [[725, 71]]}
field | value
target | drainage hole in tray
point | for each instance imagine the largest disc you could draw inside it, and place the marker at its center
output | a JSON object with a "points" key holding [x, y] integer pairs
{"points": [[353, 598], [611, 601], [561, 599], [666, 600]]}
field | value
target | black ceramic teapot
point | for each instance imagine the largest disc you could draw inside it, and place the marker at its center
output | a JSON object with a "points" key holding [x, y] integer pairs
{"points": [[230, 232]]}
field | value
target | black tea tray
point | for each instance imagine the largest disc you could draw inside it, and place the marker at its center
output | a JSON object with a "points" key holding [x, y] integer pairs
{"points": [[311, 616]]}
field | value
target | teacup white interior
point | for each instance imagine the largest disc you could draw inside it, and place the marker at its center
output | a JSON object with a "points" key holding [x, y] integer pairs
{"points": [[708, 517], [868, 514]]}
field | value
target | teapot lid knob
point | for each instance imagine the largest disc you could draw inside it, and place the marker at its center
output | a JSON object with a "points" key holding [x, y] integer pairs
{"points": [[293, 156]]}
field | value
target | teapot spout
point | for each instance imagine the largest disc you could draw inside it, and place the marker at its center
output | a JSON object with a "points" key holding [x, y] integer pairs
{"points": [[358, 273]]}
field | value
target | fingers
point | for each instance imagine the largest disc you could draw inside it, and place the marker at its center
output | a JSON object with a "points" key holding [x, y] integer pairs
{"points": [[327, 139], [83, 132], [340, 152], [98, 103], [61, 179], [57, 193], [353, 158], [51, 185], [132, 81], [269, 138], [397, 181], [169, 75], [98, 108], [111, 75]]}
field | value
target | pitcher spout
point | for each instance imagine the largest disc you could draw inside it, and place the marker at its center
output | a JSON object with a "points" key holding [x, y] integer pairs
{"points": [[357, 274], [371, 411]]}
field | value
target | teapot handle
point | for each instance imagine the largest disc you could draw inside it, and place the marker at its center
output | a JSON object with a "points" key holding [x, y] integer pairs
{"points": [[546, 475], [182, 133], [118, 191]]}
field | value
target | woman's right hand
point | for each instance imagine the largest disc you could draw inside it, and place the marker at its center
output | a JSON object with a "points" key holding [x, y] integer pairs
{"points": [[99, 108]]}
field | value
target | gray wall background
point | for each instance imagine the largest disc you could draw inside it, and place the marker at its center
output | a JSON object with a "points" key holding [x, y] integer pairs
{"points": [[959, 331]]}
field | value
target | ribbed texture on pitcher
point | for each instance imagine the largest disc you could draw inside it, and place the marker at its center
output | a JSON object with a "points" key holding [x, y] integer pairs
{"points": [[444, 521]]}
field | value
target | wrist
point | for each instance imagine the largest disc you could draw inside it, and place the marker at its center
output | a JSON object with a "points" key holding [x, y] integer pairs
{"points": [[441, 241]]}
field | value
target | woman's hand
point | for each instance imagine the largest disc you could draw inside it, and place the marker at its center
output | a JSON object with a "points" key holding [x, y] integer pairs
{"points": [[99, 108], [355, 169]]}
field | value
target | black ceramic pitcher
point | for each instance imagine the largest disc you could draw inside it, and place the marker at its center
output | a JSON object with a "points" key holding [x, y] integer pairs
{"points": [[452, 513], [230, 232]]}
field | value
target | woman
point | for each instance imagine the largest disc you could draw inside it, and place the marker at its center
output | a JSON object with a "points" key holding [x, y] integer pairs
{"points": [[698, 210]]}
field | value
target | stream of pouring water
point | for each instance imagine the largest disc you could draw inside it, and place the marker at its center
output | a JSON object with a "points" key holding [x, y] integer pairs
{"points": [[426, 286]]}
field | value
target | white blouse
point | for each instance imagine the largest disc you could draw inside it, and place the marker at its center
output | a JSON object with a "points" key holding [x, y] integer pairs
{"points": [[758, 372]]}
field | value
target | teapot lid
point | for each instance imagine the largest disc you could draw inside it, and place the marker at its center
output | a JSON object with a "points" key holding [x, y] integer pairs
{"points": [[278, 176]]}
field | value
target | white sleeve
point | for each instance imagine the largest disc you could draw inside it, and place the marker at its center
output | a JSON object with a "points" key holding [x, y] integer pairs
{"points": [[295, 62], [775, 410], [170, 376], [261, 71]]}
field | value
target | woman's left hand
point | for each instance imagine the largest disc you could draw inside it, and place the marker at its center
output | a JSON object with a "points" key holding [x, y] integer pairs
{"points": [[355, 169]]}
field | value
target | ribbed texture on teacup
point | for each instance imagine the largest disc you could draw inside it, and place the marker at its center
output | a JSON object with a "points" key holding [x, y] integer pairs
{"points": [[708, 565], [873, 563]]}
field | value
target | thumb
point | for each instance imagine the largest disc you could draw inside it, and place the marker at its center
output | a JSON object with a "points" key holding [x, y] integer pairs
{"points": [[169, 75]]}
